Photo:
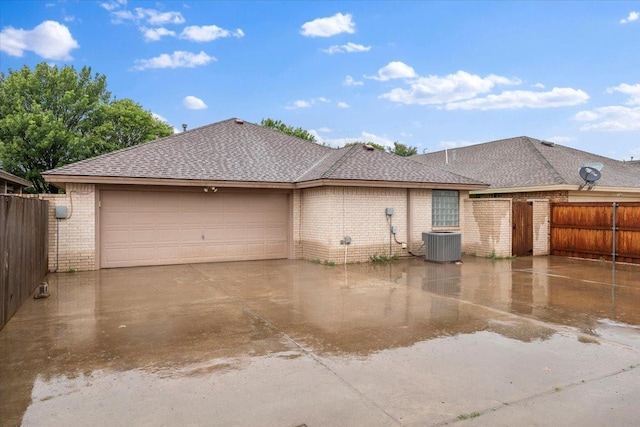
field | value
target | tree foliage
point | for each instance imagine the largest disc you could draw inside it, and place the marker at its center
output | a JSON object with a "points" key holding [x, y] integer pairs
{"points": [[399, 149], [289, 130], [50, 117], [124, 123]]}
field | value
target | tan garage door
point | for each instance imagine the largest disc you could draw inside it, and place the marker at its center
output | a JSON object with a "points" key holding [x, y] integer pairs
{"points": [[156, 228]]}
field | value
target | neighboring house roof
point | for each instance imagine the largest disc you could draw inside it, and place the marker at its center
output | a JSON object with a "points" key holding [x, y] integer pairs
{"points": [[524, 162], [6, 176], [242, 152]]}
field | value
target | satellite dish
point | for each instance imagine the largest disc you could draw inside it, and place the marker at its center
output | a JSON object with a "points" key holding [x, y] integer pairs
{"points": [[595, 165], [590, 172]]}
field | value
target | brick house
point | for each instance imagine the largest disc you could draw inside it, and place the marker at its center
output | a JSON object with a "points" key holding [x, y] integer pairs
{"points": [[530, 171], [234, 190]]}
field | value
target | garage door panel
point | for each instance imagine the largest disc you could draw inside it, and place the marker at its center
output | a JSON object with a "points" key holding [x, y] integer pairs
{"points": [[154, 228], [117, 236], [275, 248], [256, 249], [143, 236], [276, 233]]}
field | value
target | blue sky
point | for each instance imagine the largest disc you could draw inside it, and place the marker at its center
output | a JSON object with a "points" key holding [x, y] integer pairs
{"points": [[428, 74]]}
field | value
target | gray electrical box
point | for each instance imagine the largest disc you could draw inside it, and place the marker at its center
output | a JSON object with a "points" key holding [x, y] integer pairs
{"points": [[389, 211], [61, 212]]}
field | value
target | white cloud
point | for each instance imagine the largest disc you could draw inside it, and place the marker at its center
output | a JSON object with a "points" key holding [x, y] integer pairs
{"points": [[150, 16], [343, 105], [49, 40], [155, 34], [298, 104], [193, 103], [539, 86], [206, 33], [349, 81], [556, 97], [330, 26], [394, 70], [347, 48], [114, 4], [561, 139], [324, 130], [434, 90], [455, 144], [69, 18], [613, 118], [306, 104], [633, 16], [364, 137], [178, 59], [632, 90], [159, 117]]}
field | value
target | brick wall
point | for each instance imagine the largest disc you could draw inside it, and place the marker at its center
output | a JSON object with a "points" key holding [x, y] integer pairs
{"points": [[76, 247], [420, 215], [296, 223], [487, 227], [328, 214], [541, 228]]}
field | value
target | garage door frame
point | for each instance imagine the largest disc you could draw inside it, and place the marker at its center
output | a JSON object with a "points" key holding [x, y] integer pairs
{"points": [[288, 251]]}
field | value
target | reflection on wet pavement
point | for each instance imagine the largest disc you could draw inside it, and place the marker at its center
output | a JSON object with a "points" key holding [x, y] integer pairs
{"points": [[300, 342]]}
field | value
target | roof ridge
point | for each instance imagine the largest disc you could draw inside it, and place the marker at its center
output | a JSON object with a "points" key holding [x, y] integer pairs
{"points": [[312, 167], [475, 144], [340, 160], [556, 175]]}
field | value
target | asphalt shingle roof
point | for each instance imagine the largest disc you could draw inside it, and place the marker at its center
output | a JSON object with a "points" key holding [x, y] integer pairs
{"points": [[527, 162], [234, 150]]}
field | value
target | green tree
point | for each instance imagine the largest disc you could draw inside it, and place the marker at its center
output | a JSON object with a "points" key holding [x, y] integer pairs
{"points": [[289, 130], [371, 144], [52, 116], [400, 149], [124, 123]]}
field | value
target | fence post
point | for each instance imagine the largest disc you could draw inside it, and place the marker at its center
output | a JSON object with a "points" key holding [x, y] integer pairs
{"points": [[615, 221]]}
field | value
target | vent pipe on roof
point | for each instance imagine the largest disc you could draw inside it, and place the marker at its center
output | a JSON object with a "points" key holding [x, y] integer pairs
{"points": [[446, 156], [184, 127], [240, 121]]}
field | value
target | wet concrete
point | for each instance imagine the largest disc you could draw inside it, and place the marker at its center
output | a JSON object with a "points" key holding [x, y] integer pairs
{"points": [[291, 342]]}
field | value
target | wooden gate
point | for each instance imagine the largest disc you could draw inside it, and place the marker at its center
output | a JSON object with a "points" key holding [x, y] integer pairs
{"points": [[586, 230], [24, 227], [522, 234]]}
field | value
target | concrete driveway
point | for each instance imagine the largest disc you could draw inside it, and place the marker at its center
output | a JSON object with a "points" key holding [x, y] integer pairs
{"points": [[531, 341]]}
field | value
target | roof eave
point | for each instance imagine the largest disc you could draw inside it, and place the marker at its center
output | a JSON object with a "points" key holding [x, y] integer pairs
{"points": [[14, 179], [389, 184], [62, 180], [557, 187]]}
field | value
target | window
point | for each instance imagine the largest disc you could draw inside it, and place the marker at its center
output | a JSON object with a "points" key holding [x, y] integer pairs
{"points": [[444, 207]]}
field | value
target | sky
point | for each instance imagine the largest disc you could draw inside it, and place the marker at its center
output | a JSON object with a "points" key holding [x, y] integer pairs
{"points": [[432, 75]]}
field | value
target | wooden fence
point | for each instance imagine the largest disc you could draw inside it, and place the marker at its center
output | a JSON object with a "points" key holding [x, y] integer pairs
{"points": [[586, 230], [23, 251]]}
